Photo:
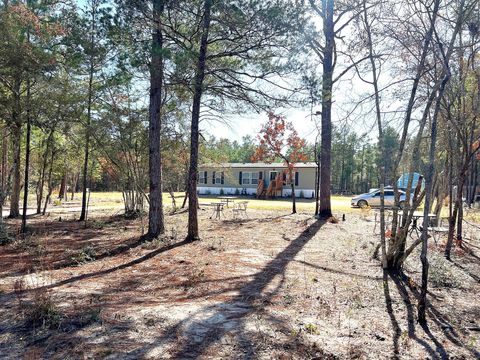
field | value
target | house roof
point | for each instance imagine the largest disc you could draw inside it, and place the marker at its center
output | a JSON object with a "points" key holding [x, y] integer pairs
{"points": [[259, 165]]}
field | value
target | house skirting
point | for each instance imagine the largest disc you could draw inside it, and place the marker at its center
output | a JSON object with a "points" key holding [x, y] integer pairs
{"points": [[203, 190]]}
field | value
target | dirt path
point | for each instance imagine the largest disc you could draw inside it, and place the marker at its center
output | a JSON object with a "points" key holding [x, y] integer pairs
{"points": [[270, 286]]}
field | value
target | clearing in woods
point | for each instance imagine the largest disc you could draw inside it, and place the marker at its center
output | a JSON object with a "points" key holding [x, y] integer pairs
{"points": [[270, 285]]}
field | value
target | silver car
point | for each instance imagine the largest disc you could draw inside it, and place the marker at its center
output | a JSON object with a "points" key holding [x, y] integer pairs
{"points": [[373, 198]]}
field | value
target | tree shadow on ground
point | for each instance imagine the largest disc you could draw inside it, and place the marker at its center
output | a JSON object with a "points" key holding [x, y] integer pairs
{"points": [[112, 269], [130, 244], [441, 321], [400, 281], [250, 299], [404, 284], [468, 258], [397, 331], [335, 271], [466, 271]]}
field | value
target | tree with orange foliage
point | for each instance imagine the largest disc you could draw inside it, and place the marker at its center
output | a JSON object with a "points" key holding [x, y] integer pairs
{"points": [[279, 139]]}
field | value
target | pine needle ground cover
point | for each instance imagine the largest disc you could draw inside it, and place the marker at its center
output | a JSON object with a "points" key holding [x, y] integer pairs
{"points": [[271, 285]]}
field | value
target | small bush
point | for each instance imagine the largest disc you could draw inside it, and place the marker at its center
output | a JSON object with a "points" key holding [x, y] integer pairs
{"points": [[5, 236], [42, 311], [156, 243], [442, 274], [311, 328], [57, 202], [85, 255], [302, 195], [237, 192], [216, 245], [97, 224], [134, 214], [194, 278], [222, 192], [31, 246]]}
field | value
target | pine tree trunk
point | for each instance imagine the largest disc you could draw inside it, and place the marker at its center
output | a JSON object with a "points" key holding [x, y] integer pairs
{"points": [[458, 241], [156, 224], [317, 186], [16, 149], [83, 213], [5, 180], [74, 185], [193, 233], [41, 180], [325, 210], [63, 186], [27, 159]]}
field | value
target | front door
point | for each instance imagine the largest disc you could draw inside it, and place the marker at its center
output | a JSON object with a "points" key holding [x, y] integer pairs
{"points": [[273, 175]]}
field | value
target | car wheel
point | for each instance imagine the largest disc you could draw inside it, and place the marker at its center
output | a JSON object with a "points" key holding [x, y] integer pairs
{"points": [[401, 204], [362, 204]]}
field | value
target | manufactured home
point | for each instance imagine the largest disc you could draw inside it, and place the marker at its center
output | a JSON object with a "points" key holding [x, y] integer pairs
{"points": [[256, 179]]}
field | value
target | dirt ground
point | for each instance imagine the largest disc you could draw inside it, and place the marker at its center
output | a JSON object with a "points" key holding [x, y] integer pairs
{"points": [[269, 286]]}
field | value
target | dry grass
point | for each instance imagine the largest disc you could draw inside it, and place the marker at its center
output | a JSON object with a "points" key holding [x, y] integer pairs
{"points": [[339, 203]]}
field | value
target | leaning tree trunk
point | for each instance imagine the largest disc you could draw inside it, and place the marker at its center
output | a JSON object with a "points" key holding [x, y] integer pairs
{"points": [[197, 97], [381, 146], [156, 224], [325, 210], [410, 106], [422, 301], [49, 184]]}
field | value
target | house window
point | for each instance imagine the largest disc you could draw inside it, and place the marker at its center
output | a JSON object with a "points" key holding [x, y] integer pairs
{"points": [[202, 179], [249, 178], [218, 177], [273, 175]]}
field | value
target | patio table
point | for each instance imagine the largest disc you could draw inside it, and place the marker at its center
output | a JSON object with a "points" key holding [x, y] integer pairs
{"points": [[415, 225], [228, 199], [217, 210]]}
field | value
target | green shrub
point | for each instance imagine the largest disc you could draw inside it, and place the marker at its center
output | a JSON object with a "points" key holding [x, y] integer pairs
{"points": [[237, 192], [221, 192], [311, 328], [302, 195], [85, 255], [154, 244], [97, 224]]}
